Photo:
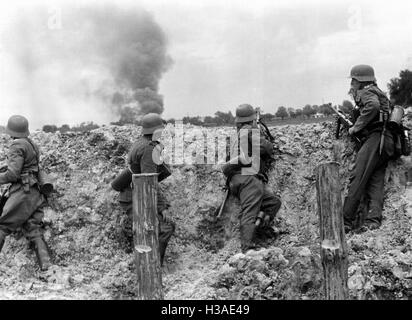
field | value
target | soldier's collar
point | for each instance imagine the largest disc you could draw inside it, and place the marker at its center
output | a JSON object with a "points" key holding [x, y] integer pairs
{"points": [[361, 91]]}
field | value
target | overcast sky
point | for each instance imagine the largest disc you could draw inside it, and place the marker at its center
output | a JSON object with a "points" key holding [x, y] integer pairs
{"points": [[267, 53]]}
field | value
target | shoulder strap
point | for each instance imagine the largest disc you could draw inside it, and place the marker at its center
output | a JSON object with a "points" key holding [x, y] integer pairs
{"points": [[35, 152]]}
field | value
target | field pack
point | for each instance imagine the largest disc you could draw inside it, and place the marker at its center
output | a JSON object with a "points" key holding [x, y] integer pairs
{"points": [[400, 132]]}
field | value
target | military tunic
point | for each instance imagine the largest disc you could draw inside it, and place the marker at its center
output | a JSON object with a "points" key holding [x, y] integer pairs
{"points": [[367, 177], [24, 206], [141, 160], [249, 182]]}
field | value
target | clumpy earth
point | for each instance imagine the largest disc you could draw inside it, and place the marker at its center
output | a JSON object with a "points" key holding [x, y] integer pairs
{"points": [[89, 241]]}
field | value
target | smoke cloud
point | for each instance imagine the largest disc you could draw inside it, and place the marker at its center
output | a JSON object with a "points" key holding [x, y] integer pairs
{"points": [[92, 63]]}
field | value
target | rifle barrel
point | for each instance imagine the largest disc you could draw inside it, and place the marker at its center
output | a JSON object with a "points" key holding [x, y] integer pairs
{"points": [[342, 116]]}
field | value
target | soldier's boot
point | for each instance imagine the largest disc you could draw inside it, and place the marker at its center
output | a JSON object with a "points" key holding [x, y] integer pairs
{"points": [[166, 230], [2, 239], [42, 253], [247, 234]]}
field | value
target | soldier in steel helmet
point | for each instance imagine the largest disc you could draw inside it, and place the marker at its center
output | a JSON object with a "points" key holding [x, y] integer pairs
{"points": [[367, 177], [24, 205], [246, 172], [145, 157]]}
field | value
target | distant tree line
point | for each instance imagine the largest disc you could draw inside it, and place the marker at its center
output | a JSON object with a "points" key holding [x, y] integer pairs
{"points": [[82, 127], [221, 118], [227, 118]]}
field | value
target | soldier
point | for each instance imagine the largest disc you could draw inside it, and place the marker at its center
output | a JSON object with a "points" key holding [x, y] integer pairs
{"points": [[144, 158], [367, 177], [24, 205], [246, 173]]}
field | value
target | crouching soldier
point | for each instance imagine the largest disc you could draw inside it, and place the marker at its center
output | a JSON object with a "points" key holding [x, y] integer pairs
{"points": [[144, 158], [24, 205], [246, 172], [368, 175]]}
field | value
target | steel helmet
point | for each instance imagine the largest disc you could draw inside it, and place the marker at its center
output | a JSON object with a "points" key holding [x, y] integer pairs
{"points": [[18, 127], [362, 73], [152, 122], [245, 113]]}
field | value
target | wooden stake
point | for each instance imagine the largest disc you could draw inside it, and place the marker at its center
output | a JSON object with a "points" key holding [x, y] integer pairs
{"points": [[146, 238], [332, 235]]}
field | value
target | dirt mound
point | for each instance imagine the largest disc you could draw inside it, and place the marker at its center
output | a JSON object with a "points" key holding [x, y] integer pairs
{"points": [[88, 238]]}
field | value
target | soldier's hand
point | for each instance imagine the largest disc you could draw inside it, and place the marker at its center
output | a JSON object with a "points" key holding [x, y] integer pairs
{"points": [[351, 131], [266, 221], [165, 214]]}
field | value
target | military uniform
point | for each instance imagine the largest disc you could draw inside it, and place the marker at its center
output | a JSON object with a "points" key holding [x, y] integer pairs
{"points": [[251, 188], [367, 177], [24, 206], [140, 160]]}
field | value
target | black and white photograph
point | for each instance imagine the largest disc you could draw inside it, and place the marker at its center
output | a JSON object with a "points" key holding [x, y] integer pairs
{"points": [[218, 152]]}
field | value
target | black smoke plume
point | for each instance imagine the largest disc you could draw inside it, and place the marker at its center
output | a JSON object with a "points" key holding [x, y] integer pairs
{"points": [[101, 58]]}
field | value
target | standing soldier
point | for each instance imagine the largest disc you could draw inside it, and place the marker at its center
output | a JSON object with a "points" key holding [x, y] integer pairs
{"points": [[367, 177], [144, 157], [246, 173], [24, 205]]}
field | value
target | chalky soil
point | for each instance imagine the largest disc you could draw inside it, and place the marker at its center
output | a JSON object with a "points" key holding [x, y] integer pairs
{"points": [[89, 236]]}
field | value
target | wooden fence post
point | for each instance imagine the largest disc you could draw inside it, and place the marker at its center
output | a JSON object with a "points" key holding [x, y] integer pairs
{"points": [[146, 238], [332, 235]]}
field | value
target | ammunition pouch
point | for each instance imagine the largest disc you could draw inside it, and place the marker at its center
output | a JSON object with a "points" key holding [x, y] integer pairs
{"points": [[27, 181]]}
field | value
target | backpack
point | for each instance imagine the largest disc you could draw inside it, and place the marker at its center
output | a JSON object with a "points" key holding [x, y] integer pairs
{"points": [[402, 143], [400, 132]]}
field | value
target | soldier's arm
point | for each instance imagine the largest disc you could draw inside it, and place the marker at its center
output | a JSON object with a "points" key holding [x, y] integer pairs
{"points": [[368, 113], [266, 148], [15, 162]]}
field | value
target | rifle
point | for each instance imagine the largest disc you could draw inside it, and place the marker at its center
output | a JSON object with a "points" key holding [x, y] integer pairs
{"points": [[223, 204], [263, 127], [342, 119]]}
